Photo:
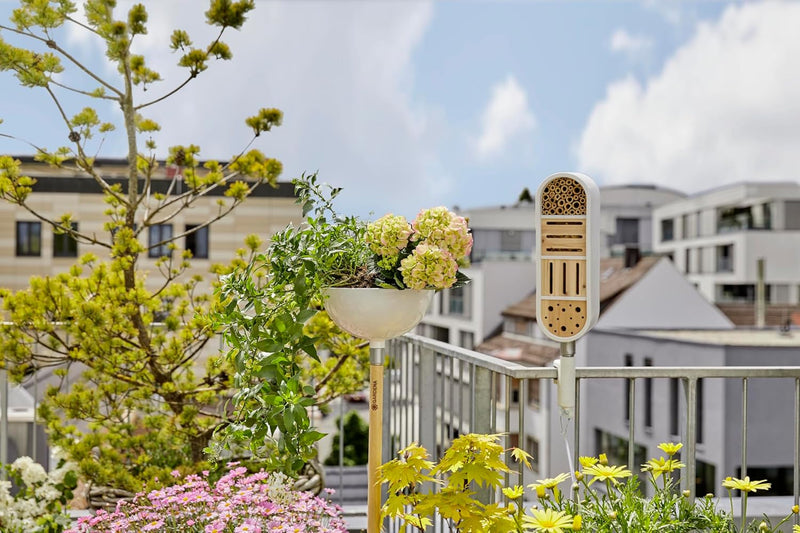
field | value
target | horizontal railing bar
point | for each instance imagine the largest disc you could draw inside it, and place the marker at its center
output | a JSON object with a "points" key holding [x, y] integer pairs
{"points": [[688, 372], [490, 362], [518, 371]]}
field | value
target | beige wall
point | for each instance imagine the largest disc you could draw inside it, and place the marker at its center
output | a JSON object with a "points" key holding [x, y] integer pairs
{"points": [[262, 215]]}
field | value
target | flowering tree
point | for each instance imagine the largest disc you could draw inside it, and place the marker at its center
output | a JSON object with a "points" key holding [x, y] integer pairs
{"points": [[147, 405]]}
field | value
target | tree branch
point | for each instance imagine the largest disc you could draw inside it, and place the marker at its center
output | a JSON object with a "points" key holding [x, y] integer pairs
{"points": [[336, 368]]}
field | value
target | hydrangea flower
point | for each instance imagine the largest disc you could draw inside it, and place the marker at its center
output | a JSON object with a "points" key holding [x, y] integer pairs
{"points": [[438, 226], [429, 267], [388, 235]]}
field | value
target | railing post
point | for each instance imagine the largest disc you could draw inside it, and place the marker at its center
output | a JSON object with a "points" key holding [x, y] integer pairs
{"points": [[4, 418], [425, 388], [482, 419], [691, 436]]}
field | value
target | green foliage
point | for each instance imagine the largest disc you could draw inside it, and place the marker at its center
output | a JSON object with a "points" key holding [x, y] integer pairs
{"points": [[356, 442], [619, 507], [129, 345], [266, 306]]}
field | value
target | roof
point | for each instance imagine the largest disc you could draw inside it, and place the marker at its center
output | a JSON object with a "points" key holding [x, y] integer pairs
{"points": [[522, 350], [615, 279], [776, 315]]}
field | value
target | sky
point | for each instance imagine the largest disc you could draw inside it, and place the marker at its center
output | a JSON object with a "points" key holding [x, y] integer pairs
{"points": [[409, 104]]}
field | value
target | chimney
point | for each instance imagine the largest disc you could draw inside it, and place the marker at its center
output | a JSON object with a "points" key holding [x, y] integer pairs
{"points": [[632, 256]]}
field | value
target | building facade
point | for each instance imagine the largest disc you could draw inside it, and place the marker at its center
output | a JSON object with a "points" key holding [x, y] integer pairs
{"points": [[29, 246], [626, 216], [715, 238]]}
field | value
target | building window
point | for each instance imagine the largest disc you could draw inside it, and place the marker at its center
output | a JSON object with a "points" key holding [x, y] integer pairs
{"points": [[439, 334], [744, 292], [725, 258], [532, 447], [29, 238], [751, 217], [648, 397], [667, 229], [791, 213], [779, 476], [707, 478], [64, 244], [197, 241], [616, 449], [455, 300], [159, 236], [627, 231], [698, 224], [628, 385], [687, 261], [685, 226], [699, 260], [674, 406]]}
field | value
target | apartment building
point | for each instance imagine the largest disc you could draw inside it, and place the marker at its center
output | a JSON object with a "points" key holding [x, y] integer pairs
{"points": [[716, 237], [626, 213], [29, 247]]}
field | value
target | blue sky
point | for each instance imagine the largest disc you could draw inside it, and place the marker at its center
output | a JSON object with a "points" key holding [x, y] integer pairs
{"points": [[410, 104]]}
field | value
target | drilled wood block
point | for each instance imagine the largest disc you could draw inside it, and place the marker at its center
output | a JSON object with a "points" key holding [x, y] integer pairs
{"points": [[563, 318]]}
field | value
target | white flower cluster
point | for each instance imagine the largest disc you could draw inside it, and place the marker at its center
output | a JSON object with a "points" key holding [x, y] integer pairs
{"points": [[39, 494]]}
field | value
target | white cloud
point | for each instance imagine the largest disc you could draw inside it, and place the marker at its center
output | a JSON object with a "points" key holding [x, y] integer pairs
{"points": [[341, 72], [723, 109], [624, 42], [506, 117]]}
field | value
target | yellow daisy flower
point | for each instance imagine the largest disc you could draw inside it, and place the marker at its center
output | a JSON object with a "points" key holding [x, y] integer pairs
{"points": [[661, 466], [670, 448], [606, 472], [587, 461], [512, 493], [550, 482], [745, 485], [548, 520]]}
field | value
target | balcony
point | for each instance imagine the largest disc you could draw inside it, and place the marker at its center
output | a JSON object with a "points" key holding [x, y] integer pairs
{"points": [[437, 391]]}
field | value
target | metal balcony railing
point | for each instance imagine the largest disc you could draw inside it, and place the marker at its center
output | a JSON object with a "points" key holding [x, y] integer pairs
{"points": [[436, 391]]}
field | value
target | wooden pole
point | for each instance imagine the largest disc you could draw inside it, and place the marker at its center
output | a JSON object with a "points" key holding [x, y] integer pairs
{"points": [[376, 353]]}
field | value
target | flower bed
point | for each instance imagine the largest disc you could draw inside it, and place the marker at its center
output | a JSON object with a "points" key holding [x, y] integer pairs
{"points": [[238, 503]]}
